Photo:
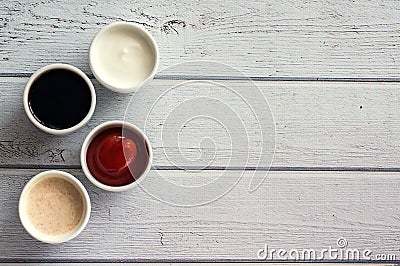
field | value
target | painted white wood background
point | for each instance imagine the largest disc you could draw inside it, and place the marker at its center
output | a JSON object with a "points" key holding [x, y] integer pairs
{"points": [[330, 71]]}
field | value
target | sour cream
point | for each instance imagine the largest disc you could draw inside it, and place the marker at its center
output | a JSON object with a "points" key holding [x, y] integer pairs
{"points": [[123, 56]]}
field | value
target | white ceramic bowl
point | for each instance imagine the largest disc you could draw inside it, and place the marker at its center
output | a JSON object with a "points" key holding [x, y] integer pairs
{"points": [[100, 128], [52, 130], [115, 49], [27, 224]]}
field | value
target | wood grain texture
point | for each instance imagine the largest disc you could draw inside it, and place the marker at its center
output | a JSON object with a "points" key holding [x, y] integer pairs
{"points": [[290, 210], [278, 38], [317, 125]]}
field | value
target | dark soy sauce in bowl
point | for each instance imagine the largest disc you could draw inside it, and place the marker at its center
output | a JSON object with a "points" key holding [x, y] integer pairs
{"points": [[59, 99]]}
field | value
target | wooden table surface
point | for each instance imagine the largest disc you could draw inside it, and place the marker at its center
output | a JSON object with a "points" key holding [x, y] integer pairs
{"points": [[330, 71]]}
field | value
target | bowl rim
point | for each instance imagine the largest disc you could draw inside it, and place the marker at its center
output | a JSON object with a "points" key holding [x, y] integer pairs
{"points": [[28, 225], [138, 28], [40, 72], [93, 133]]}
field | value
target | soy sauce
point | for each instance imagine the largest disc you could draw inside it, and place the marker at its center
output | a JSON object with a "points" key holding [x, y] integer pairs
{"points": [[59, 99]]}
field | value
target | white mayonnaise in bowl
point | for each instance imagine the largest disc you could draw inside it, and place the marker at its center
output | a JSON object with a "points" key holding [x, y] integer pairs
{"points": [[123, 57]]}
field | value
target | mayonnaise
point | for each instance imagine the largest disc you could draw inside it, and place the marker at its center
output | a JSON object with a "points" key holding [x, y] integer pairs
{"points": [[123, 56]]}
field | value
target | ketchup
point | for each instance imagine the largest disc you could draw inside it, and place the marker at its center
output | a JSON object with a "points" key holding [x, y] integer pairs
{"points": [[115, 159]]}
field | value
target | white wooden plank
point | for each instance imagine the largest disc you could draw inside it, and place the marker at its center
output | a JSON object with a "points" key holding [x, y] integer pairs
{"points": [[261, 38], [290, 210], [318, 124]]}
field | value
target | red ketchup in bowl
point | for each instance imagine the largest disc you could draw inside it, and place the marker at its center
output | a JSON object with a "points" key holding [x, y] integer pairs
{"points": [[114, 159]]}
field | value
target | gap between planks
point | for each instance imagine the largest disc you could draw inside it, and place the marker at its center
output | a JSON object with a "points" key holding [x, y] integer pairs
{"points": [[234, 78], [220, 168]]}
